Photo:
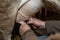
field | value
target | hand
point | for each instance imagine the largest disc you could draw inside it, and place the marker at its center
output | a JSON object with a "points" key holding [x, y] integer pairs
{"points": [[23, 28], [54, 37], [36, 22]]}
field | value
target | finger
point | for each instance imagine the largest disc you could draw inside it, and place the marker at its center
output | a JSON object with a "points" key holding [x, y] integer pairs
{"points": [[30, 18], [22, 22], [30, 22]]}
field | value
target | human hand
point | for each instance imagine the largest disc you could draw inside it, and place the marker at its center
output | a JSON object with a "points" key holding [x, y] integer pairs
{"points": [[36, 22], [23, 28], [54, 37]]}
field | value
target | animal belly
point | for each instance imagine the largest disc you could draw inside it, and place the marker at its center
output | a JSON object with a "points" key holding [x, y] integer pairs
{"points": [[29, 9]]}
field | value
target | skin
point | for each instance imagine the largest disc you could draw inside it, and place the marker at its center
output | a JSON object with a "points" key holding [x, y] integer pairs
{"points": [[54, 37], [36, 22], [24, 27]]}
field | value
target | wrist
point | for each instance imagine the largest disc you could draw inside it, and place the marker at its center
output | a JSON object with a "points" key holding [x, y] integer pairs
{"points": [[44, 24], [24, 30]]}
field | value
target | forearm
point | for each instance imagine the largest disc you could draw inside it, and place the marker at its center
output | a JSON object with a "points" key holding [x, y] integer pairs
{"points": [[29, 35], [52, 26]]}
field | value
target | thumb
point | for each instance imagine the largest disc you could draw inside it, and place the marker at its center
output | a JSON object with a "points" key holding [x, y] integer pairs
{"points": [[31, 21]]}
